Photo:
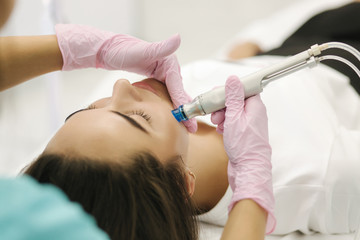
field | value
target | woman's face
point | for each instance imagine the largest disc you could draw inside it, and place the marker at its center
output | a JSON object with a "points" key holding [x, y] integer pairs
{"points": [[137, 117]]}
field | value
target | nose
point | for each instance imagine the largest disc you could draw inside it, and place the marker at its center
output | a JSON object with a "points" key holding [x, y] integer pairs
{"points": [[123, 91]]}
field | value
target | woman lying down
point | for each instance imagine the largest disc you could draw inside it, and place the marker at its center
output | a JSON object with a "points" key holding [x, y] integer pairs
{"points": [[133, 167], [141, 175]]}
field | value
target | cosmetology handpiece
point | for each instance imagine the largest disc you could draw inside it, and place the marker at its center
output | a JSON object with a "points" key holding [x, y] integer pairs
{"points": [[254, 83]]}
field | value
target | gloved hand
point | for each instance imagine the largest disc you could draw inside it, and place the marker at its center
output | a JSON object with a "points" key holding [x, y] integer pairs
{"points": [[84, 47], [245, 134]]}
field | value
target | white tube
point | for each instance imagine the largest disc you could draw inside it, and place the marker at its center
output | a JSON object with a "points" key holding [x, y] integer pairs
{"points": [[332, 57], [342, 46]]}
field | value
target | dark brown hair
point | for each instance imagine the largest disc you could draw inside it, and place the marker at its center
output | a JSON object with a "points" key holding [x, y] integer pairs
{"points": [[144, 199]]}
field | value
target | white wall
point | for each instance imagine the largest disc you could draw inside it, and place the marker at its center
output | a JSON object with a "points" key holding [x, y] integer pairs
{"points": [[111, 15], [204, 25]]}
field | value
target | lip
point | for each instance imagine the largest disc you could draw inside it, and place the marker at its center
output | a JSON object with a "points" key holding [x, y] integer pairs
{"points": [[145, 86]]}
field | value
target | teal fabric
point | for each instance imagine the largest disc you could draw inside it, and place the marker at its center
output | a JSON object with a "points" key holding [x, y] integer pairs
{"points": [[32, 211]]}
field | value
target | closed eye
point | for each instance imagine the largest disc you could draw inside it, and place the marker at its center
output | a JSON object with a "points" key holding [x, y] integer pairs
{"points": [[127, 118], [142, 114]]}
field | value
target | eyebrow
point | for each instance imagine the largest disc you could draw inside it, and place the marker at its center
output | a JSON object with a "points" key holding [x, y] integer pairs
{"points": [[127, 118], [131, 121]]}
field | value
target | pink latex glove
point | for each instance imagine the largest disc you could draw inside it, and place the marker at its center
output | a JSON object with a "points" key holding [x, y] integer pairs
{"points": [[245, 134], [87, 47]]}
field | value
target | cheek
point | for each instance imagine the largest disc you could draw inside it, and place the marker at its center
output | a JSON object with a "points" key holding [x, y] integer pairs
{"points": [[173, 143], [177, 136], [173, 135], [183, 143]]}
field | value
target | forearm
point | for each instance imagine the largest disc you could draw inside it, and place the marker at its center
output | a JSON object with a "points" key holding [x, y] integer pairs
{"points": [[23, 58], [247, 220]]}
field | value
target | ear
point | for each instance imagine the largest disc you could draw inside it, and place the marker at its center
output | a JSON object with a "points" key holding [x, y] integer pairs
{"points": [[190, 181]]}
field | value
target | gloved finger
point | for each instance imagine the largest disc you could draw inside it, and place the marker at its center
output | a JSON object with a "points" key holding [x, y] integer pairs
{"points": [[167, 69], [218, 117], [234, 92], [254, 105], [158, 50], [234, 102], [178, 96], [176, 89], [256, 113], [220, 128]]}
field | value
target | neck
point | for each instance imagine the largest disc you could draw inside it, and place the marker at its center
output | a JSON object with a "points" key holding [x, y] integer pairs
{"points": [[208, 160]]}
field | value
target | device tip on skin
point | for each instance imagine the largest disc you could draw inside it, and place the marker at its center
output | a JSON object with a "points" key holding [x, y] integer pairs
{"points": [[179, 114]]}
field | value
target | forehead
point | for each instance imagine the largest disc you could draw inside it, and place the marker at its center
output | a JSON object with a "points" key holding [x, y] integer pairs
{"points": [[101, 134], [96, 132]]}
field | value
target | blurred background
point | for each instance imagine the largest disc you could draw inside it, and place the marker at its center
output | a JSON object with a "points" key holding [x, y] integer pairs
{"points": [[31, 113]]}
